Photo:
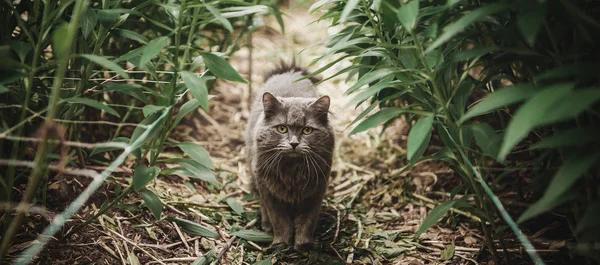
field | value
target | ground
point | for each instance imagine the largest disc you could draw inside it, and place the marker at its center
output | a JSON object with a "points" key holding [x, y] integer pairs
{"points": [[370, 214]]}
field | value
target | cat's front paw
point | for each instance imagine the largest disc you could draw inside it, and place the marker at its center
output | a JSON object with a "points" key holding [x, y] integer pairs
{"points": [[303, 244], [280, 242]]}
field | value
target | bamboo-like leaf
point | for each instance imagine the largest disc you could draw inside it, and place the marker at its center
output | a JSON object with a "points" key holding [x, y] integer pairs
{"points": [[197, 85], [528, 116], [379, 117], [407, 14], [132, 35], [118, 140], [434, 216], [143, 175], [197, 153], [153, 203], [235, 206], [568, 138], [556, 193], [134, 90], [254, 236], [106, 63], [487, 138], [531, 16], [93, 104], [194, 228], [152, 49], [190, 168], [58, 40], [470, 18], [215, 12], [370, 77], [221, 68], [348, 7], [503, 97], [185, 109], [151, 109], [418, 138]]}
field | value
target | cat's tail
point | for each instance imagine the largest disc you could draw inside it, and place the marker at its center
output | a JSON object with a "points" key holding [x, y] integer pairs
{"points": [[291, 67]]}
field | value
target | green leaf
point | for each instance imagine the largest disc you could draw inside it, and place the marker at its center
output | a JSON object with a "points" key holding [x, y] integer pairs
{"points": [[407, 14], [379, 117], [102, 149], [197, 85], [370, 77], [348, 7], [194, 228], [254, 236], [152, 202], [104, 62], [556, 193], [93, 104], [487, 138], [132, 259], [571, 106], [152, 49], [59, 47], [502, 97], [151, 109], [370, 91], [235, 206], [143, 175], [185, 109], [3, 89], [215, 12], [434, 216], [528, 116], [470, 18], [205, 259], [134, 90], [197, 153], [448, 252], [570, 137], [221, 68], [190, 168], [418, 138], [531, 16], [132, 35]]}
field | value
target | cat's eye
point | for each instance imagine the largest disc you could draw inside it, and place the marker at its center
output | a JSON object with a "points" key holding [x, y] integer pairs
{"points": [[282, 129], [307, 130]]}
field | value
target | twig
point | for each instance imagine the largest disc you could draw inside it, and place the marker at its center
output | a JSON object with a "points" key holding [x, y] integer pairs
{"points": [[230, 242], [463, 213], [136, 245], [181, 235]]}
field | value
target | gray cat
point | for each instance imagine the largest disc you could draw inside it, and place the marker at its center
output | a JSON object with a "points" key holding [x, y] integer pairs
{"points": [[289, 143]]}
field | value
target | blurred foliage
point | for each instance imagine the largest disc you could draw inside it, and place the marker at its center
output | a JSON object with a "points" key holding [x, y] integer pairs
{"points": [[508, 81], [74, 67]]}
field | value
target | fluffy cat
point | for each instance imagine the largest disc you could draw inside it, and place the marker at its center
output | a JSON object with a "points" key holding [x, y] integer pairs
{"points": [[289, 143]]}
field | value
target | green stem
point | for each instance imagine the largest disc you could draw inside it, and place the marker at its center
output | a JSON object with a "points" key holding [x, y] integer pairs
{"points": [[101, 211], [40, 158]]}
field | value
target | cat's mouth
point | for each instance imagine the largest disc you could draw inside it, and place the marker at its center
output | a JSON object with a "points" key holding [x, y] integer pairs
{"points": [[292, 153]]}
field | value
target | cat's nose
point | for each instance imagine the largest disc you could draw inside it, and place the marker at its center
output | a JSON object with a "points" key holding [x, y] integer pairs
{"points": [[293, 144]]}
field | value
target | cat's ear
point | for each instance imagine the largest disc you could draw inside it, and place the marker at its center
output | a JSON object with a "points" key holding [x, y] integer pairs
{"points": [[270, 104], [320, 108], [321, 104]]}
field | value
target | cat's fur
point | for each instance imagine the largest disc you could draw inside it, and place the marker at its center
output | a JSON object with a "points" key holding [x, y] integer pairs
{"points": [[290, 181]]}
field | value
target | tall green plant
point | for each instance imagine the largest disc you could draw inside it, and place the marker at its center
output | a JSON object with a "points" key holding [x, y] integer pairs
{"points": [[173, 47], [424, 61]]}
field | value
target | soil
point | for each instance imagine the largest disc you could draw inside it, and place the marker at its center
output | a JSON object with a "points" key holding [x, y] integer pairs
{"points": [[370, 215]]}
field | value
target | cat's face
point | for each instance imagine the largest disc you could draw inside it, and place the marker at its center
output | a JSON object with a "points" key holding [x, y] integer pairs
{"points": [[295, 127]]}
